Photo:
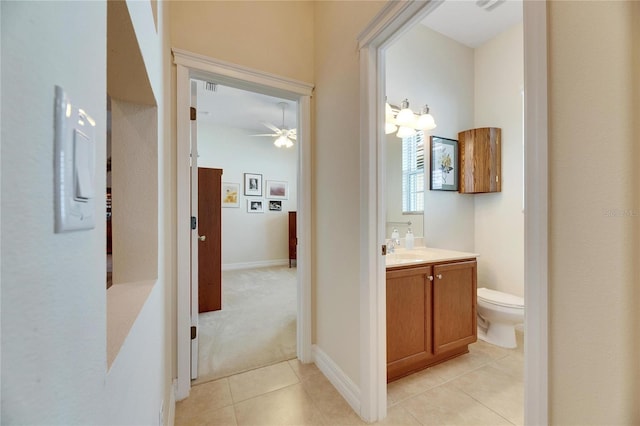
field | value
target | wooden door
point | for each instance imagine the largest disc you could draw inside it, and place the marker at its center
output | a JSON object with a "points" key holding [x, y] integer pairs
{"points": [[210, 239], [454, 305], [409, 338]]}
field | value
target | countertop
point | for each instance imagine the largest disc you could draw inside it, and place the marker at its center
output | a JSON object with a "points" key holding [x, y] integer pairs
{"points": [[418, 255]]}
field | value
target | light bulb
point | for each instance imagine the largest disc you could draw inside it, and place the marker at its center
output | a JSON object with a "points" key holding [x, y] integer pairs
{"points": [[425, 121], [405, 117], [389, 128], [404, 132]]}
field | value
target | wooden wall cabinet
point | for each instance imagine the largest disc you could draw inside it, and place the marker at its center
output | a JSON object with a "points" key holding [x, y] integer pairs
{"points": [[293, 239], [480, 160], [431, 315]]}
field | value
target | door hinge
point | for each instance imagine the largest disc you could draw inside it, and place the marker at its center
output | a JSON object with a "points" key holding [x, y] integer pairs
{"points": [[384, 249], [194, 222], [193, 332], [192, 113]]}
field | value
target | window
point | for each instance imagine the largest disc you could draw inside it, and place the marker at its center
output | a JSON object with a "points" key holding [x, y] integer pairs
{"points": [[413, 173]]}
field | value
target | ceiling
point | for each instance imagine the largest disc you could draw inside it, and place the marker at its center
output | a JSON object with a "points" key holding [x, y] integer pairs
{"points": [[470, 22], [242, 109], [474, 22]]}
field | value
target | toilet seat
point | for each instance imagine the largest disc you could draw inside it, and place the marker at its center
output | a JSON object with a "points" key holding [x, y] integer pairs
{"points": [[499, 298]]}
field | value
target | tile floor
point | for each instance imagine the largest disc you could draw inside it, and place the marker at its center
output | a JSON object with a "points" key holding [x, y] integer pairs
{"points": [[483, 387]]}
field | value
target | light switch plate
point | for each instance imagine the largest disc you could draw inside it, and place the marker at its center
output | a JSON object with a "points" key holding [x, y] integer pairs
{"points": [[75, 166]]}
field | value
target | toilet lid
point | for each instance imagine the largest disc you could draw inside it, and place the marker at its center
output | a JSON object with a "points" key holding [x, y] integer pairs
{"points": [[499, 298]]}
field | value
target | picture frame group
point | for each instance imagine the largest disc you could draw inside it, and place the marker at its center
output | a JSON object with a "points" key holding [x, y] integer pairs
{"points": [[274, 192]]}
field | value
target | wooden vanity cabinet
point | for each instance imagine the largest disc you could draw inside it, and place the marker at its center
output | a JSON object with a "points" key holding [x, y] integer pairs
{"points": [[480, 160], [454, 306], [431, 314], [409, 312]]}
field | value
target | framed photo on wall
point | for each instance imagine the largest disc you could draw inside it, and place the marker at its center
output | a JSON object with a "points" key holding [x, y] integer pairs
{"points": [[275, 205], [277, 190], [253, 184], [255, 206], [230, 194], [444, 164]]}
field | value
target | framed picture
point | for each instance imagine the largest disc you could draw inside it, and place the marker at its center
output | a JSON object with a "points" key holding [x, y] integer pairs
{"points": [[255, 206], [444, 164], [253, 184], [230, 194], [277, 190], [275, 206]]}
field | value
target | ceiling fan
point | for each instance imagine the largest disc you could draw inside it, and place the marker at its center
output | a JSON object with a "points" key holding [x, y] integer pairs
{"points": [[284, 137]]}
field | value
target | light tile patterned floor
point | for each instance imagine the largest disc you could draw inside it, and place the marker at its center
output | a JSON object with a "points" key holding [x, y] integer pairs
{"points": [[483, 387]]}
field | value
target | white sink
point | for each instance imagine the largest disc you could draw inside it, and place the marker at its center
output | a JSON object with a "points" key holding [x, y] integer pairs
{"points": [[424, 255]]}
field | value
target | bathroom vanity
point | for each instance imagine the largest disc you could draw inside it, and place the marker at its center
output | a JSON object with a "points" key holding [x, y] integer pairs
{"points": [[431, 308]]}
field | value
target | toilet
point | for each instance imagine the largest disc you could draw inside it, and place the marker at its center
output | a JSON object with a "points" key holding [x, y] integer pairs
{"points": [[498, 314]]}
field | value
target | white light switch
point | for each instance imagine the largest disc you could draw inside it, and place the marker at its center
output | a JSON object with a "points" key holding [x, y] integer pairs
{"points": [[84, 167], [75, 169]]}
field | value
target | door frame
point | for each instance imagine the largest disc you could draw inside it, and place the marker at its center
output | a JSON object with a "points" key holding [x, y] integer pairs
{"points": [[192, 65], [392, 21]]}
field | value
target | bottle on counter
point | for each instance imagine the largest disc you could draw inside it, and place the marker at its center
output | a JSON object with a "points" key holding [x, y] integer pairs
{"points": [[408, 243]]}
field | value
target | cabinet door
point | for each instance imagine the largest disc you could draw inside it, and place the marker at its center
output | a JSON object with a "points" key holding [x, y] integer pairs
{"points": [[409, 301], [454, 305], [480, 160]]}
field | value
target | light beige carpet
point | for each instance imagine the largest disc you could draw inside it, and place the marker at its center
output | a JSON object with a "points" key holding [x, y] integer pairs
{"points": [[256, 326]]}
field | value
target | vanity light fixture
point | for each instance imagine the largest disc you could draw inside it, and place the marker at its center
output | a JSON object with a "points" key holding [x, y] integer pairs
{"points": [[405, 121]]}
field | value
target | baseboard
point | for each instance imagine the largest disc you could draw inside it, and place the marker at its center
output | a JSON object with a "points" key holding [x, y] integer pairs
{"points": [[343, 384], [253, 265], [171, 412]]}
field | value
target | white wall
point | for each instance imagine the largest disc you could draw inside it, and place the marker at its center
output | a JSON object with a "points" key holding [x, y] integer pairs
{"points": [[499, 219], [250, 239], [336, 186], [429, 68], [54, 368]]}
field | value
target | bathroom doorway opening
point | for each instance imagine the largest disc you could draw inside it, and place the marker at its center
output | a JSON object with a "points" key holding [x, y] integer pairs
{"points": [[390, 24]]}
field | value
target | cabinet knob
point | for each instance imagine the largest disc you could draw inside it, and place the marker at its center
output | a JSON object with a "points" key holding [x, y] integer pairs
{"points": [[430, 277], [202, 237], [439, 276]]}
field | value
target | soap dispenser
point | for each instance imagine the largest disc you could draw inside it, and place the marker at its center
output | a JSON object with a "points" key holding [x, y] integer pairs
{"points": [[408, 240], [395, 236]]}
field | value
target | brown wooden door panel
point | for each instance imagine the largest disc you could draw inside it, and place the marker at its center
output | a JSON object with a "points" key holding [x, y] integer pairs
{"points": [[454, 305], [408, 314], [210, 250]]}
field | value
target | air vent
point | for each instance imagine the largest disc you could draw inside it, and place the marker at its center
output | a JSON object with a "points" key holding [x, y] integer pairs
{"points": [[489, 5]]}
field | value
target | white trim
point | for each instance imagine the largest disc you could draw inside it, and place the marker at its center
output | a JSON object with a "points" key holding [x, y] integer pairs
{"points": [[536, 408], [238, 75], [191, 65], [253, 265], [388, 25], [183, 233], [343, 384]]}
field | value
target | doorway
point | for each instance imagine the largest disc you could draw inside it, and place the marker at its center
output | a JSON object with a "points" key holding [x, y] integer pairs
{"points": [[250, 138], [387, 27], [188, 67]]}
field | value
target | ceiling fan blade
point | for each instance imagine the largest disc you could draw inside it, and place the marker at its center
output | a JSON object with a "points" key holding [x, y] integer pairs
{"points": [[266, 134], [272, 127]]}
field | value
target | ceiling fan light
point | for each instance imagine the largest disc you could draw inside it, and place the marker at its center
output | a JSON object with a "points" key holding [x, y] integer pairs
{"points": [[288, 143], [280, 141]]}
